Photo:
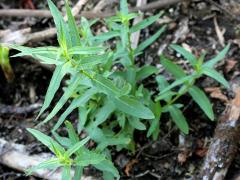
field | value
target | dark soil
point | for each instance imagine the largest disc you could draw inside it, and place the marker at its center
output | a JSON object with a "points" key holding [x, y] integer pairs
{"points": [[173, 155]]}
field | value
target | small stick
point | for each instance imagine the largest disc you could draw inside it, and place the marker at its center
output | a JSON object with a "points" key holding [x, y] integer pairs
{"points": [[88, 14], [10, 110], [223, 148]]}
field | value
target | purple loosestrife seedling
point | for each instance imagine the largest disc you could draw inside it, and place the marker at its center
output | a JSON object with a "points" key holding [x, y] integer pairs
{"points": [[111, 104]]}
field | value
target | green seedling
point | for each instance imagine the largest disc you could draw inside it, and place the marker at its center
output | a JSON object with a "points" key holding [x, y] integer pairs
{"points": [[106, 87]]}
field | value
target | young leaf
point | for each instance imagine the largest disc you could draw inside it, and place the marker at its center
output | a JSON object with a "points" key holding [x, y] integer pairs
{"points": [[77, 146], [47, 55], [178, 118], [137, 124], [157, 109], [73, 29], [210, 63], [174, 69], [186, 54], [71, 133], [215, 75], [66, 173], [78, 173], [46, 140], [104, 112], [89, 157], [80, 101], [85, 50], [146, 71], [62, 31], [49, 164], [92, 61], [67, 94], [149, 41], [108, 166], [106, 36], [201, 99], [119, 140], [55, 82], [145, 23], [176, 83], [132, 107], [124, 7], [106, 85]]}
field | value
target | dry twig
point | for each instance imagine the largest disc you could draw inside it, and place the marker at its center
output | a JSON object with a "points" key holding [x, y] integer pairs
{"points": [[88, 14], [223, 148], [10, 110]]}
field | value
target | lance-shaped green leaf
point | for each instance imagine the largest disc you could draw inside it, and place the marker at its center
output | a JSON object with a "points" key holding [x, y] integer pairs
{"points": [[62, 30], [137, 124], [150, 40], [59, 72], [176, 83], [90, 62], [210, 63], [133, 107], [47, 141], [47, 55], [178, 118], [215, 75], [174, 69], [146, 71], [106, 36], [107, 166], [78, 172], [67, 94], [85, 50], [201, 99], [145, 23], [106, 85], [113, 141], [49, 164], [104, 112], [154, 123], [89, 158], [124, 7], [76, 147], [73, 29], [66, 173], [5, 63], [71, 133], [186, 54], [80, 101]]}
